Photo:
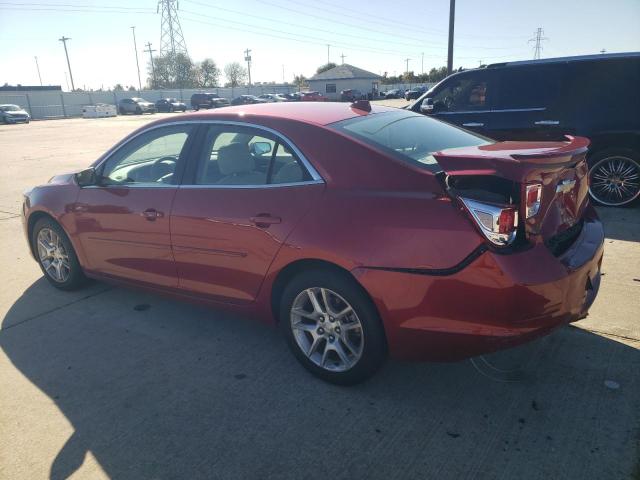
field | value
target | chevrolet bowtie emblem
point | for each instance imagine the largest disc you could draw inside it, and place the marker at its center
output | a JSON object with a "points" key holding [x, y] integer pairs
{"points": [[565, 186]]}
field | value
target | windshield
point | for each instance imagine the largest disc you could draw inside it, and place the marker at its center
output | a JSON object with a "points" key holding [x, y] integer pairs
{"points": [[408, 136], [10, 108]]}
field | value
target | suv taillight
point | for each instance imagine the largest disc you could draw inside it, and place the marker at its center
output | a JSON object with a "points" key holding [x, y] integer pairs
{"points": [[532, 197], [498, 224]]}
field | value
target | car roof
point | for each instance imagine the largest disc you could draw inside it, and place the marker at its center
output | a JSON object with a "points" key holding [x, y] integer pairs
{"points": [[320, 113], [575, 58]]}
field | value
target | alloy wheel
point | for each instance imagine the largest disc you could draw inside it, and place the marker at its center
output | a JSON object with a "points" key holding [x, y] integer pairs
{"points": [[327, 329], [615, 181], [53, 255]]}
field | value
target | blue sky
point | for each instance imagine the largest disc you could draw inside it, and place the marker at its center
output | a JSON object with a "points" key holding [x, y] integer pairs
{"points": [[375, 35]]}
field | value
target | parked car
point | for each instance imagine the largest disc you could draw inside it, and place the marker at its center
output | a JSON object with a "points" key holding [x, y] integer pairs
{"points": [[170, 105], [292, 97], [13, 114], [393, 93], [272, 97], [312, 97], [135, 105], [247, 100], [208, 100], [351, 259], [351, 95], [595, 96], [415, 92]]}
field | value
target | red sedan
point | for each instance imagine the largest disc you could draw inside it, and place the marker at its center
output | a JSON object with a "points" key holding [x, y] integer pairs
{"points": [[362, 231]]}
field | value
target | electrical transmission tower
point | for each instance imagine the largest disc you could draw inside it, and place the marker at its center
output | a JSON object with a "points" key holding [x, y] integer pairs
{"points": [[538, 38], [171, 38]]}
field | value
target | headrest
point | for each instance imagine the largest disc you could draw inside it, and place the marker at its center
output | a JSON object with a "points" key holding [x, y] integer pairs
{"points": [[235, 158]]}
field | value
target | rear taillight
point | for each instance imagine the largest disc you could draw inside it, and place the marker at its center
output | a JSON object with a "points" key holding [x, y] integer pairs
{"points": [[498, 224], [532, 197]]}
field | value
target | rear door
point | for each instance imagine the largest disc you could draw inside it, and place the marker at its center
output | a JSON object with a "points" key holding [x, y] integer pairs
{"points": [[239, 202], [528, 104], [466, 100]]}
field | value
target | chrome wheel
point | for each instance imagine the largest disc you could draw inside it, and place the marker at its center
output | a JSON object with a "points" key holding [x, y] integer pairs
{"points": [[615, 180], [53, 256], [327, 329]]}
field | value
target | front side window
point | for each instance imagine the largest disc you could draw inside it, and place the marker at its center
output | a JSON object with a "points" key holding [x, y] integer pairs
{"points": [[409, 137], [242, 156], [463, 93], [149, 159]]}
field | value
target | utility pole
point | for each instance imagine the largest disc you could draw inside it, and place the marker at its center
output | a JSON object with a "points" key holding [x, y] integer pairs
{"points": [[407, 69], [153, 68], [135, 48], [282, 73], [422, 64], [247, 58], [538, 38], [66, 80], [452, 16], [328, 46], [64, 42], [38, 68], [603, 51], [342, 57]]}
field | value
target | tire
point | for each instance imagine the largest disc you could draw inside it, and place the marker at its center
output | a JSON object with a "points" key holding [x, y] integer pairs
{"points": [[614, 177], [170, 110], [362, 328], [138, 111], [122, 111], [71, 277], [196, 107]]}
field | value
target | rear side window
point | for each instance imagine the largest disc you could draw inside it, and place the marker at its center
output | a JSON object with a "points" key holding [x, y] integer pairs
{"points": [[408, 136], [528, 87]]}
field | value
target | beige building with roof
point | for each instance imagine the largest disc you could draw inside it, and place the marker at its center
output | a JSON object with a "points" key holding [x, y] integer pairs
{"points": [[344, 77]]}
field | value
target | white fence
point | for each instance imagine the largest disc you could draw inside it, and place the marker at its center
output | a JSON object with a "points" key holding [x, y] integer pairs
{"points": [[43, 105]]}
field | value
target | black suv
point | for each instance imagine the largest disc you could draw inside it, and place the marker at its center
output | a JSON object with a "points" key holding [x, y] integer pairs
{"points": [[207, 100], [596, 96]]}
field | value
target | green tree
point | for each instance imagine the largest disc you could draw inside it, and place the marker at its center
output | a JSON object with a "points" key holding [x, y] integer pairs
{"points": [[207, 73], [300, 81], [325, 67], [118, 87], [172, 71], [236, 74]]}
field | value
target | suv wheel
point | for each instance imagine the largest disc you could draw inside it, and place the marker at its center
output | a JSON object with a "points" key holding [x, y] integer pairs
{"points": [[332, 327], [56, 256], [614, 177]]}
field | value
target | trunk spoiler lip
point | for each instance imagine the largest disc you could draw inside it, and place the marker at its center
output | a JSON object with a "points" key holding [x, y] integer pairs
{"points": [[510, 150], [513, 160]]}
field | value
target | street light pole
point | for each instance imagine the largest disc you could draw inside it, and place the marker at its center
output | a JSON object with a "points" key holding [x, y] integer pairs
{"points": [[38, 68], [64, 42], [135, 47]]}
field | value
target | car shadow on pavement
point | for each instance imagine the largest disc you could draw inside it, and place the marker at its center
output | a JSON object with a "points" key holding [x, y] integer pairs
{"points": [[621, 223], [158, 389]]}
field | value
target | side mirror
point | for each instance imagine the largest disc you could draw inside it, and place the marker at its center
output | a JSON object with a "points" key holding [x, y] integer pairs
{"points": [[260, 148], [86, 177], [426, 106]]}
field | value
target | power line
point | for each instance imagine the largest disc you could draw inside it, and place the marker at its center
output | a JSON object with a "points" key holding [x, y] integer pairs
{"points": [[538, 38], [64, 42]]}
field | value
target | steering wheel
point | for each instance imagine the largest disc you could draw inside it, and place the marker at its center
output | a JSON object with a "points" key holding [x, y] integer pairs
{"points": [[162, 168]]}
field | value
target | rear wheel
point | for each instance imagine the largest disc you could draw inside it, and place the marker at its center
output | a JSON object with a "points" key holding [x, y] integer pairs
{"points": [[614, 177], [138, 111], [56, 256], [332, 327]]}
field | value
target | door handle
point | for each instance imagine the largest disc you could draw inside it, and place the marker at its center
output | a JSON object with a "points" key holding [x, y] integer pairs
{"points": [[151, 214], [263, 220], [547, 122], [473, 124]]}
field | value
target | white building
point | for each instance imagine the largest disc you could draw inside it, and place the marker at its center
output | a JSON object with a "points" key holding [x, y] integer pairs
{"points": [[344, 77]]}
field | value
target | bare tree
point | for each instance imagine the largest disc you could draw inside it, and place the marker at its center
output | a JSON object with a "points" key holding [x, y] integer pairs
{"points": [[236, 74], [208, 73]]}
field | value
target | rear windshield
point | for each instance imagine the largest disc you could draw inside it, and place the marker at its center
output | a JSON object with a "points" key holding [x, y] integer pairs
{"points": [[409, 136]]}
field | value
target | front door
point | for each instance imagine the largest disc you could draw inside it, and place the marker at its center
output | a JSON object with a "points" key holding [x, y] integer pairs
{"points": [[465, 100], [234, 211], [123, 221]]}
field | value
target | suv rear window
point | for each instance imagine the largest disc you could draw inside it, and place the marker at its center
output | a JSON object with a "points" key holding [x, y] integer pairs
{"points": [[408, 136]]}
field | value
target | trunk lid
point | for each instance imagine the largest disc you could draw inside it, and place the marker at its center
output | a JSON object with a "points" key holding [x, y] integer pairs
{"points": [[560, 167]]}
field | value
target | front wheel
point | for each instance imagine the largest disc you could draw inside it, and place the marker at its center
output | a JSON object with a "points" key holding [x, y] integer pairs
{"points": [[56, 256], [614, 177], [332, 327]]}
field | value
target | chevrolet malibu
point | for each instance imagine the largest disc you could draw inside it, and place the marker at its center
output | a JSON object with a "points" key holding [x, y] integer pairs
{"points": [[361, 231]]}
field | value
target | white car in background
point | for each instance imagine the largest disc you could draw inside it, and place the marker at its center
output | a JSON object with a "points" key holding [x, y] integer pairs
{"points": [[273, 97], [13, 114]]}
